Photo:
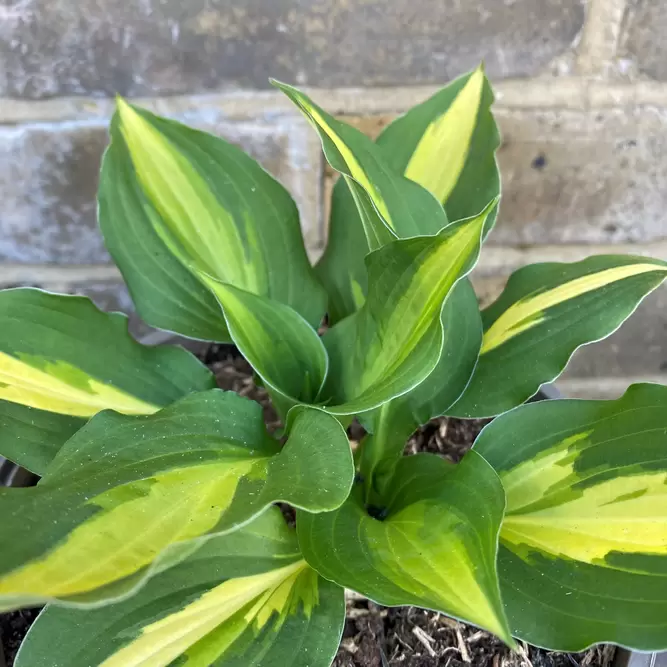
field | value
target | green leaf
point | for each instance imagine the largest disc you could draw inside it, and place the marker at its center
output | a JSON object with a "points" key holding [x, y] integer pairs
{"points": [[396, 207], [244, 600], [32, 437], [436, 547], [395, 341], [62, 360], [544, 314], [284, 350], [435, 136], [584, 540], [126, 495], [393, 423], [177, 204]]}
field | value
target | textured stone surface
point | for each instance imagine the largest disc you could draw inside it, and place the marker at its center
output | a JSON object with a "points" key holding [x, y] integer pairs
{"points": [[643, 41], [111, 297], [48, 181], [571, 177], [143, 47]]}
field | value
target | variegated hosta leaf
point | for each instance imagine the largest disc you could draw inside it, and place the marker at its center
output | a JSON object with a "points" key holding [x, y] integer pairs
{"points": [[584, 540], [62, 360], [396, 339], [243, 600], [544, 314], [446, 144], [125, 496], [390, 205], [177, 204], [284, 350], [393, 423], [435, 546]]}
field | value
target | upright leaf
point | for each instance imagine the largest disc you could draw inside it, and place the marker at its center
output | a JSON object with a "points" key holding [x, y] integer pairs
{"points": [[400, 208], [393, 423], [395, 341], [62, 360], [435, 546], [243, 600], [280, 345], [544, 314], [177, 204], [584, 540], [125, 496], [446, 144]]}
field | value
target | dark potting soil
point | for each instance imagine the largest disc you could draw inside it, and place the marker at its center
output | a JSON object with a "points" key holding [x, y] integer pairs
{"points": [[375, 636]]}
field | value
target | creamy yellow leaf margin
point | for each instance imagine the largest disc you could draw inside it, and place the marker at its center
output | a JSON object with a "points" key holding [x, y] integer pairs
{"points": [[531, 311], [442, 151]]}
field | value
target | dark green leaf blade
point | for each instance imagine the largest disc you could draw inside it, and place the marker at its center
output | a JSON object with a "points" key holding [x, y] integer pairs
{"points": [[283, 349], [392, 424], [126, 495], [213, 209], [401, 207], [395, 341], [62, 360], [31, 437], [544, 314], [584, 541], [435, 547], [341, 269], [209, 610]]}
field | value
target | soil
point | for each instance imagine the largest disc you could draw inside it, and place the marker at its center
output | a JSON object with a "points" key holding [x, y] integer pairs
{"points": [[375, 636]]}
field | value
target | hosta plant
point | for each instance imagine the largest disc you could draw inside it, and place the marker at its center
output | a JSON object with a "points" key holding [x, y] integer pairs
{"points": [[154, 535]]}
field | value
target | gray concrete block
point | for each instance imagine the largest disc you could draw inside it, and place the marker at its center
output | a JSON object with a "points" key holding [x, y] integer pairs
{"points": [[48, 181], [582, 177], [643, 40], [148, 47]]}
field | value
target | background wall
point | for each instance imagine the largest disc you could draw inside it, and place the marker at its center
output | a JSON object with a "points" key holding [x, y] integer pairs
{"points": [[581, 101]]}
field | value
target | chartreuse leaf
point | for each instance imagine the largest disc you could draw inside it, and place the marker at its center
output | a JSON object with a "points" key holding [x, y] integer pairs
{"points": [[584, 540], [544, 314], [435, 547], [177, 204], [393, 206], [395, 341], [62, 360], [243, 600], [124, 495], [393, 423], [446, 144]]}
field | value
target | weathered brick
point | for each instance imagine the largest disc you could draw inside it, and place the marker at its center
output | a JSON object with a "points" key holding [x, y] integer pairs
{"points": [[643, 40], [147, 47], [582, 177], [48, 181]]}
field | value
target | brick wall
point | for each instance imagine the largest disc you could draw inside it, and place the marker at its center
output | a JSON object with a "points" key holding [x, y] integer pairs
{"points": [[582, 105]]}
